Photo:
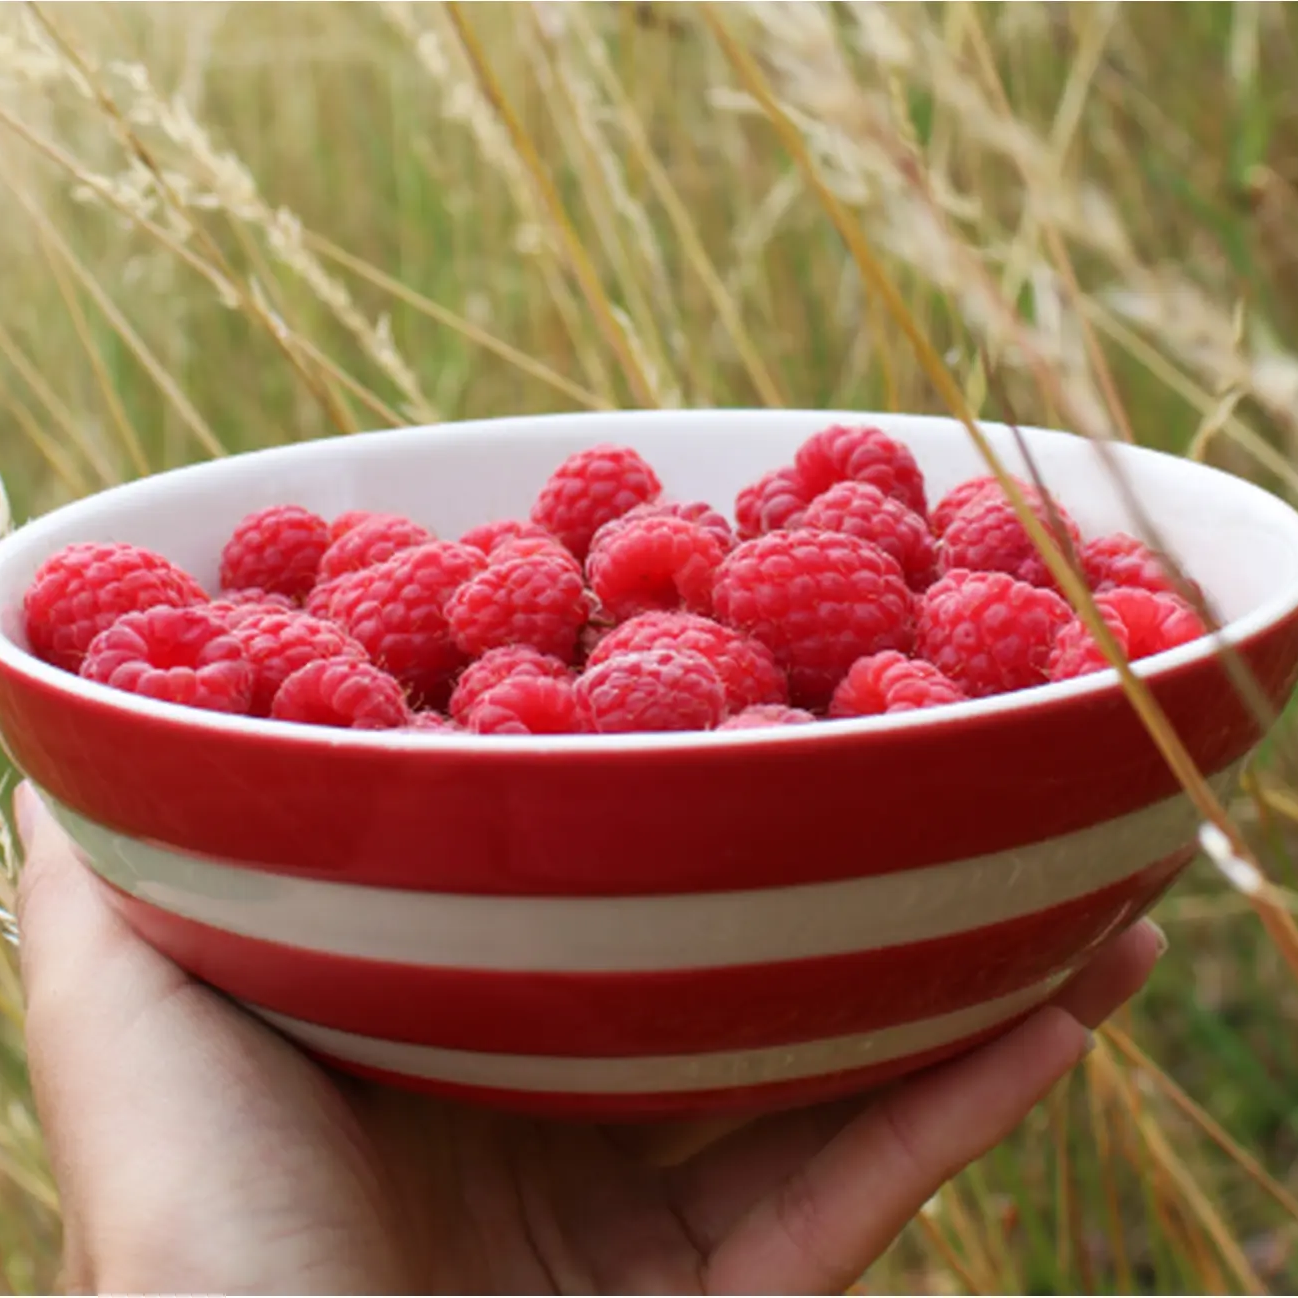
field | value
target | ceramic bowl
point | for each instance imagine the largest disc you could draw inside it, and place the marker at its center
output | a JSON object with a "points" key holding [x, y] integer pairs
{"points": [[624, 927]]}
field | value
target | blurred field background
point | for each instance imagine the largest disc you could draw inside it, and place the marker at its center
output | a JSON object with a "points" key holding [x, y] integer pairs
{"points": [[227, 225]]}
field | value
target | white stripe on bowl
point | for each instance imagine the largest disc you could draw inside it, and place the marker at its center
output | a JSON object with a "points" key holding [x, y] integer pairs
{"points": [[628, 934], [663, 1073]]}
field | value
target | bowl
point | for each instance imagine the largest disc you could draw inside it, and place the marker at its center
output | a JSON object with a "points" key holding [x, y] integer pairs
{"points": [[634, 926]]}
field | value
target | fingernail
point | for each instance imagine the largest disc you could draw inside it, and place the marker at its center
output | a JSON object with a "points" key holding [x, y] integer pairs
{"points": [[26, 809], [1160, 938], [1091, 1043]]}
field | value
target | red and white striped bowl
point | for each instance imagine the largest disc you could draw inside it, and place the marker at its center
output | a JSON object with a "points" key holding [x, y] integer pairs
{"points": [[649, 924]]}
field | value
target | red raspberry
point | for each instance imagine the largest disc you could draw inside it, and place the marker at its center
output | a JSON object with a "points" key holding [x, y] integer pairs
{"points": [[347, 520], [654, 563], [659, 689], [344, 693], [232, 613], [433, 722], [277, 549], [84, 588], [498, 665], [524, 547], [538, 600], [776, 500], [987, 536], [527, 705], [369, 543], [254, 596], [277, 644], [988, 632], [747, 669], [1121, 560], [488, 536], [588, 489], [178, 655], [891, 682], [965, 493], [818, 601], [762, 716], [693, 511], [397, 611], [861, 510], [858, 453], [1143, 622]]}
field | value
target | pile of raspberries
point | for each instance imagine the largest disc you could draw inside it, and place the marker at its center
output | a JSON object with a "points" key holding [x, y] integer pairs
{"points": [[835, 593]]}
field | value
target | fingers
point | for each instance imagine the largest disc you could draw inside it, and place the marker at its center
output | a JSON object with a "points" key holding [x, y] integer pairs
{"points": [[1114, 976]]}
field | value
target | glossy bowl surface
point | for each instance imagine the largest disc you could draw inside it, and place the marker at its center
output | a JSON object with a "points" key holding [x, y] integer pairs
{"points": [[648, 924]]}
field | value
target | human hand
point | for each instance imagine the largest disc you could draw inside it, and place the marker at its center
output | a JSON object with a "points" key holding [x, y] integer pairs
{"points": [[196, 1150]]}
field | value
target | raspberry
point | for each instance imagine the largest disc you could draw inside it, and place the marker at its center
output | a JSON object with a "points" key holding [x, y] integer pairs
{"points": [[277, 644], [1143, 622], [588, 489], [349, 519], [178, 655], [987, 536], [818, 601], [254, 596], [776, 500], [965, 493], [232, 613], [371, 542], [538, 600], [498, 665], [396, 610], [321, 597], [277, 549], [658, 689], [988, 632], [430, 721], [860, 509], [1121, 560], [527, 705], [693, 511], [654, 563], [747, 669], [344, 693], [891, 682], [524, 547], [843, 453], [489, 535], [84, 588], [762, 716]]}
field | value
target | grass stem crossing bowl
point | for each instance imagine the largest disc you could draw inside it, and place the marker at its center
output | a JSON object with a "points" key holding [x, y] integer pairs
{"points": [[648, 924]]}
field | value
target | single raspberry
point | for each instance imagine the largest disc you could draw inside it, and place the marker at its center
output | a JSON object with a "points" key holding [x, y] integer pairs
{"points": [[818, 601], [891, 682], [178, 655], [527, 705], [1143, 622], [538, 600], [654, 563], [277, 644], [988, 632], [371, 542], [748, 669], [776, 500], [1122, 560], [431, 721], [965, 493], [762, 716], [397, 611], [487, 536], [277, 549], [524, 547], [498, 665], [693, 511], [860, 509], [344, 693], [255, 596], [658, 689], [987, 536], [591, 487], [859, 453], [84, 588], [347, 520]]}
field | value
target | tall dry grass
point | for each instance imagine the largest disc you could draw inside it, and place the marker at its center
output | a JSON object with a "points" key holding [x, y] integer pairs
{"points": [[232, 225]]}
